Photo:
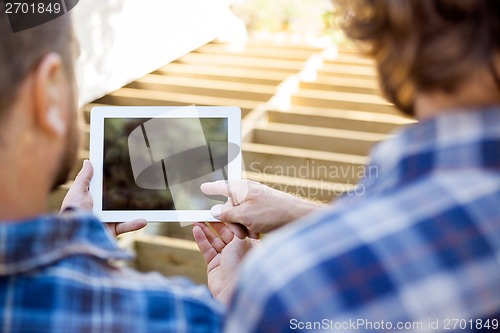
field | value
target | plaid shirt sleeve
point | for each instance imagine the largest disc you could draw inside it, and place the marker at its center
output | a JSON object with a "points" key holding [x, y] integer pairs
{"points": [[419, 252], [57, 274]]}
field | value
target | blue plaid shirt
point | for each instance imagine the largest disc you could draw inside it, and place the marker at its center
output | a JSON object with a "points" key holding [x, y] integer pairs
{"points": [[419, 251], [60, 274]]}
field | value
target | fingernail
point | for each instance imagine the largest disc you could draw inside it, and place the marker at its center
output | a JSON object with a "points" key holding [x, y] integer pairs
{"points": [[216, 211]]}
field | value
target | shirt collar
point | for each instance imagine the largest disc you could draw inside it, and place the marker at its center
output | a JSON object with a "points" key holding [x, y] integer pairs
{"points": [[458, 139], [28, 245]]}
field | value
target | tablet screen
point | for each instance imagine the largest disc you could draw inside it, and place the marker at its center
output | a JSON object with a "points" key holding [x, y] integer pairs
{"points": [[160, 163]]}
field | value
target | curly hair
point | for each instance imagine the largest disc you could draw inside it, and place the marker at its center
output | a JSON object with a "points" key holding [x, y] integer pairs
{"points": [[424, 45]]}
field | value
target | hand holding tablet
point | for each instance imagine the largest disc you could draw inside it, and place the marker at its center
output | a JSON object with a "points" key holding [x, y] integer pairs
{"points": [[150, 161]]}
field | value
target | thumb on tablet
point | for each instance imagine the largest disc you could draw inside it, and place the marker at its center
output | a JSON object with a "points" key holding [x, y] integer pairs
{"points": [[78, 196], [83, 178]]}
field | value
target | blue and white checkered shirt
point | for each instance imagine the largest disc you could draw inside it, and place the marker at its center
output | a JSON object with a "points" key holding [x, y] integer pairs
{"points": [[418, 252], [59, 274]]}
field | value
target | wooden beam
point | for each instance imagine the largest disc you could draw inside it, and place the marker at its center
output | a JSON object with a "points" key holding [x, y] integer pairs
{"points": [[170, 257], [349, 71], [267, 77], [138, 97], [346, 58], [303, 163], [228, 60], [204, 87], [339, 119], [282, 45], [332, 140], [353, 85], [342, 100], [257, 51]]}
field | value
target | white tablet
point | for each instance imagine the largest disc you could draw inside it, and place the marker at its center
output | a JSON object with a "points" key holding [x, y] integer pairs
{"points": [[149, 162]]}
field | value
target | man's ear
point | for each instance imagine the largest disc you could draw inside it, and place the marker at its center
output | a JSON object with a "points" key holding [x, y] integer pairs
{"points": [[48, 95]]}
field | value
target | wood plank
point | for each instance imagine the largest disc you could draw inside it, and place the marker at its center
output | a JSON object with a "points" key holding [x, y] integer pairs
{"points": [[282, 45], [353, 85], [170, 257], [225, 61], [313, 138], [348, 71], [239, 90], [340, 119], [174, 230], [137, 97], [342, 100], [347, 58], [267, 77], [303, 163], [257, 51]]}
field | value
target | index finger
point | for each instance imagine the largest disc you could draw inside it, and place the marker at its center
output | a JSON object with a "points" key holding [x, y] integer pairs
{"points": [[236, 190], [219, 187]]}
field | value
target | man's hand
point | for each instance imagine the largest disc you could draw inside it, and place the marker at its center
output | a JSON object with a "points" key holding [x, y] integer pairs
{"points": [[78, 197], [223, 254], [257, 207]]}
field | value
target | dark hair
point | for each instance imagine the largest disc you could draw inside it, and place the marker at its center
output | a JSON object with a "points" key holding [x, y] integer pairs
{"points": [[20, 52], [424, 45]]}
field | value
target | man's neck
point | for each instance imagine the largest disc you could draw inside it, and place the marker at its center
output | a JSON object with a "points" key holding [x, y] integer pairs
{"points": [[479, 91], [18, 210], [22, 196]]}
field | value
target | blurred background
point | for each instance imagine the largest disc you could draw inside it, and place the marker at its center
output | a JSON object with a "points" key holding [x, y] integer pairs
{"points": [[311, 107]]}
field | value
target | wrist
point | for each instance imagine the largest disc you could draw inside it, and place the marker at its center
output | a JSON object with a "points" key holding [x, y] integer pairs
{"points": [[302, 207]]}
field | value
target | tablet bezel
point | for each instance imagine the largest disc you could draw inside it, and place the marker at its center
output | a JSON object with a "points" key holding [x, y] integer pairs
{"points": [[96, 147]]}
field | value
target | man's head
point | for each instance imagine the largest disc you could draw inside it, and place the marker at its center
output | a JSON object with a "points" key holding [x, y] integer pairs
{"points": [[426, 46], [38, 98]]}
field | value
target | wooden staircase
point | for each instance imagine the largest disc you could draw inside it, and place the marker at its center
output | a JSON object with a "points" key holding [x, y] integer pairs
{"points": [[308, 124]]}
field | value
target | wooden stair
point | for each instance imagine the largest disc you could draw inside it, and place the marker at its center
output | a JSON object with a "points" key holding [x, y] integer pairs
{"points": [[314, 144]]}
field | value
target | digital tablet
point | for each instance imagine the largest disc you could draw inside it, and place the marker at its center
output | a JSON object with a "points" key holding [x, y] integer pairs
{"points": [[149, 162]]}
